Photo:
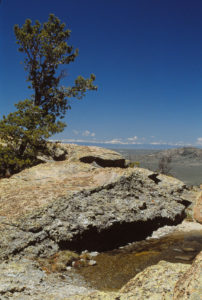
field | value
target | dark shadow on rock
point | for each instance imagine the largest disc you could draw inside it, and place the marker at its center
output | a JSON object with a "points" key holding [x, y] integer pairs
{"points": [[117, 235], [154, 178], [117, 163]]}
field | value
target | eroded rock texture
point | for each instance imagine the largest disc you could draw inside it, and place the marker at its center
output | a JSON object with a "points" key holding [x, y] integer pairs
{"points": [[189, 286], [63, 205], [197, 211], [78, 203]]}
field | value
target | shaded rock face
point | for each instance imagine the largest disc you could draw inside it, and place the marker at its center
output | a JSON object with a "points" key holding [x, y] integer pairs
{"points": [[115, 163]]}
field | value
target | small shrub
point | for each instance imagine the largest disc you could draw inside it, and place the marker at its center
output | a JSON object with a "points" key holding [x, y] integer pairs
{"points": [[164, 165], [134, 164]]}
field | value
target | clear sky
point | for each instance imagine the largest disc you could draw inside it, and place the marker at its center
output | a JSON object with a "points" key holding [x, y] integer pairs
{"points": [[147, 58]]}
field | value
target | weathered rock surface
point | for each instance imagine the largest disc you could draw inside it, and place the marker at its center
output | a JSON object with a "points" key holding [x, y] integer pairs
{"points": [[73, 205], [96, 155], [83, 203], [99, 156], [189, 286], [63, 205], [155, 282], [197, 211], [24, 280]]}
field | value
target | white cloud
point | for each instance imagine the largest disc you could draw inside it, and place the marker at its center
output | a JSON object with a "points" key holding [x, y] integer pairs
{"points": [[89, 137], [75, 141], [76, 132], [199, 141], [88, 133], [133, 139], [158, 143], [114, 141], [176, 144]]}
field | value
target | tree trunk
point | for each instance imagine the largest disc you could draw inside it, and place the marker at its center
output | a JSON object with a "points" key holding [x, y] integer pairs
{"points": [[22, 148]]}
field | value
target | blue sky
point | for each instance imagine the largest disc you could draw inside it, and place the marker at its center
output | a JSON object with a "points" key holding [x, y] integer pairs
{"points": [[147, 58]]}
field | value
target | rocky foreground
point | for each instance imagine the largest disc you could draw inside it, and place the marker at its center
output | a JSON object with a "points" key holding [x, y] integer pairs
{"points": [[89, 200]]}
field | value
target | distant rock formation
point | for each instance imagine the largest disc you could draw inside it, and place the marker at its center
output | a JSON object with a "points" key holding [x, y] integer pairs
{"points": [[184, 152]]}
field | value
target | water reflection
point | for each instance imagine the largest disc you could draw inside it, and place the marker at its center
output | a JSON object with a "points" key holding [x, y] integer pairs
{"points": [[115, 268]]}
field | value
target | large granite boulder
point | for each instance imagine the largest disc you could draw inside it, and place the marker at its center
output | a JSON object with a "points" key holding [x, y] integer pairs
{"points": [[189, 286], [74, 205], [197, 211], [155, 282], [96, 155]]}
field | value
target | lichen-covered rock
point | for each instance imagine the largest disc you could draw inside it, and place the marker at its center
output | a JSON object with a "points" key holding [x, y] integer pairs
{"points": [[24, 280], [57, 151], [80, 203], [18, 276], [189, 286], [73, 205]]}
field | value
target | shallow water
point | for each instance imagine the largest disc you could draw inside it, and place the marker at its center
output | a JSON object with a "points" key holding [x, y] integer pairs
{"points": [[115, 268]]}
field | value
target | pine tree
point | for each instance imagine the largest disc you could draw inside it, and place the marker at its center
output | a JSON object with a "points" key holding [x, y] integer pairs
{"points": [[24, 132], [46, 49]]}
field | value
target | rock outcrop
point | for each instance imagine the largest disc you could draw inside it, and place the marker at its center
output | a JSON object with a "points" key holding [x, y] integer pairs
{"points": [[98, 156], [189, 286], [86, 199], [73, 205], [155, 282], [197, 211]]}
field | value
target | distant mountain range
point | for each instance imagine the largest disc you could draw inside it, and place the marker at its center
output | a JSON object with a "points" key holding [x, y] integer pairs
{"points": [[131, 146]]}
